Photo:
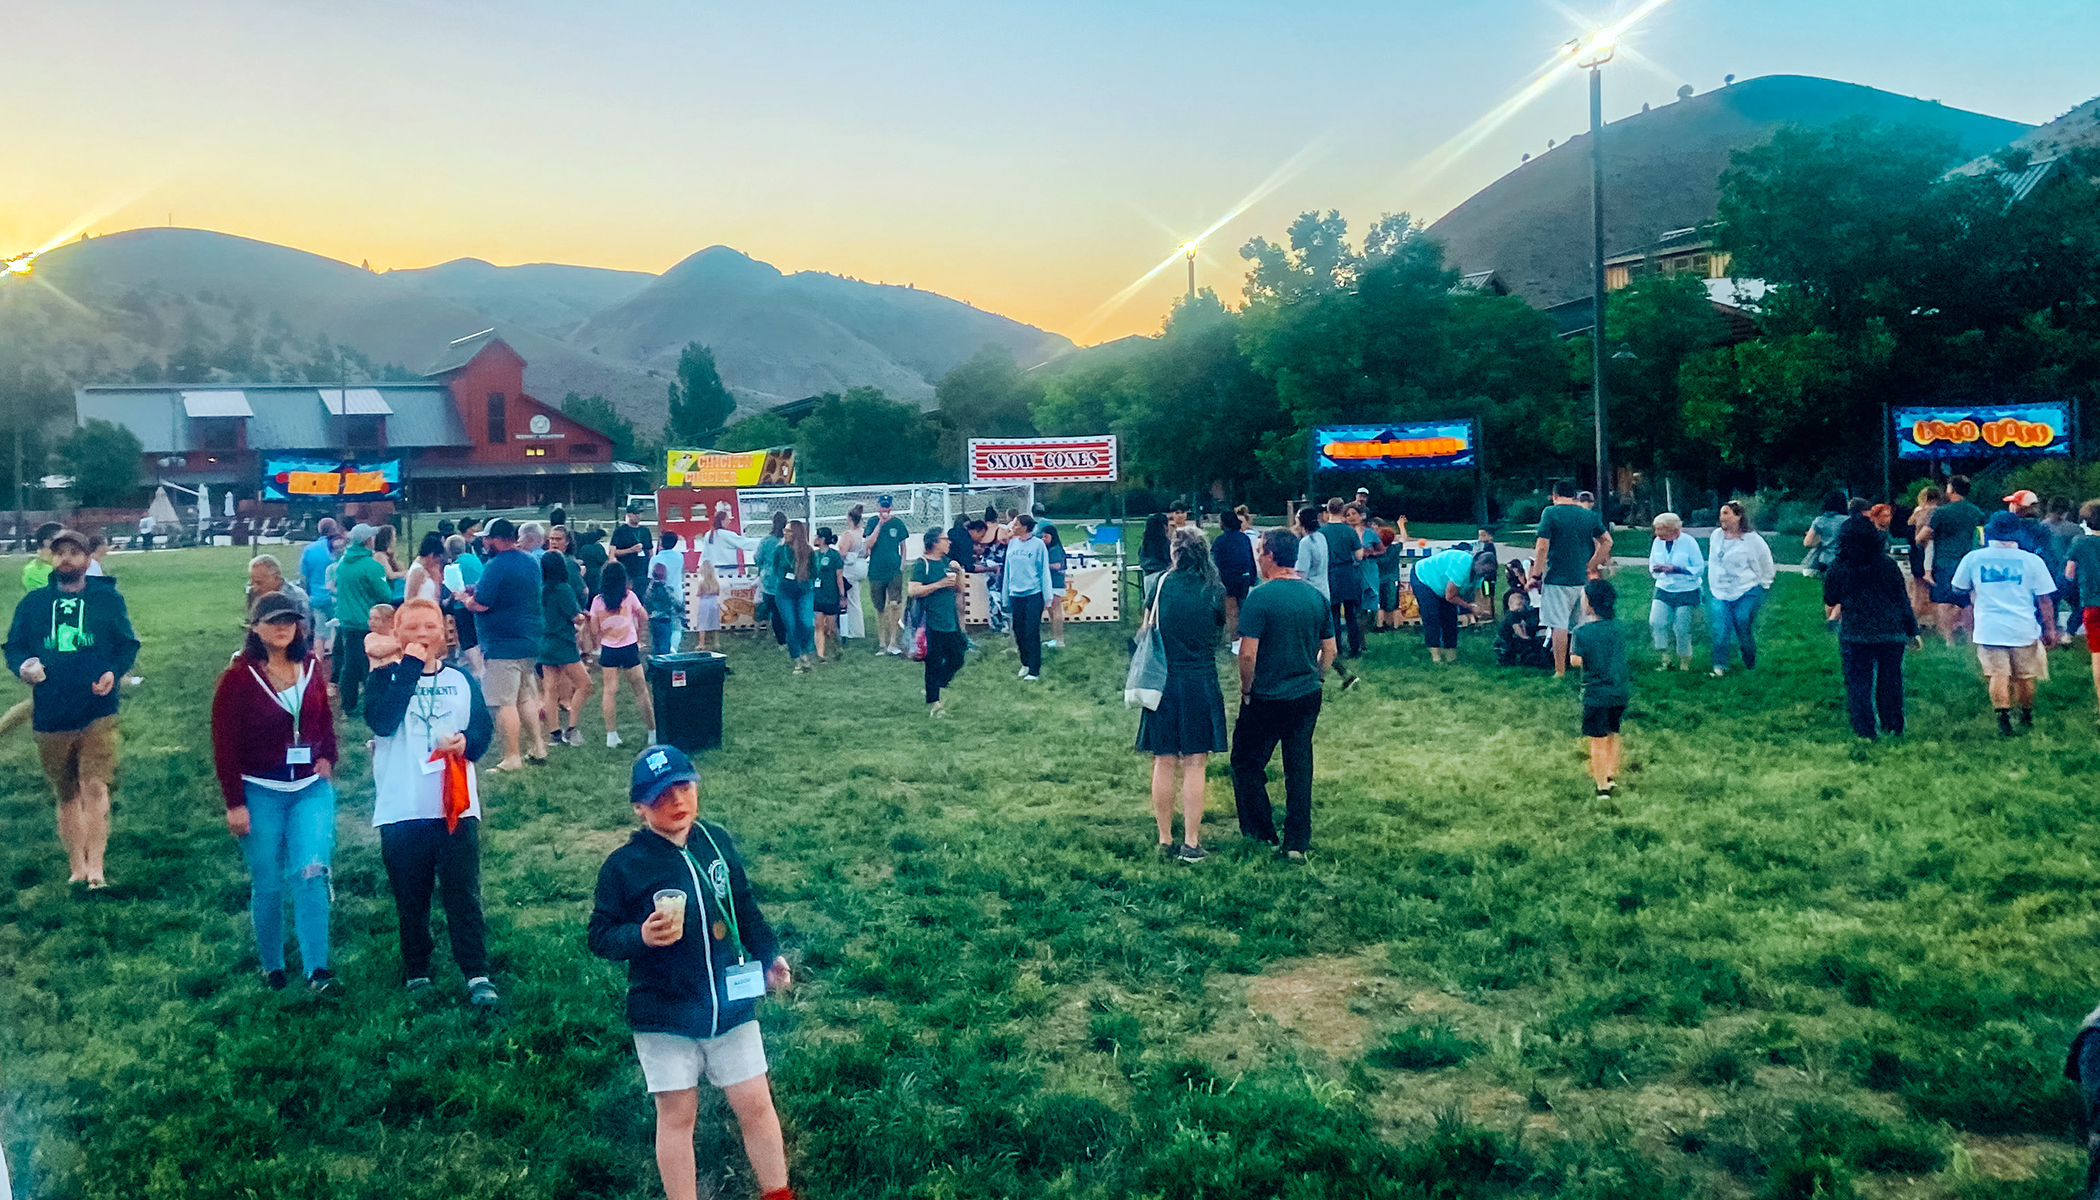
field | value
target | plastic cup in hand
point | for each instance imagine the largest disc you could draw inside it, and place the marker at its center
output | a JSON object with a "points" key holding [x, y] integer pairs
{"points": [[671, 903]]}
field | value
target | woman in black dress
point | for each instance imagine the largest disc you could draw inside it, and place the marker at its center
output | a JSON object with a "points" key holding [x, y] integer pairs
{"points": [[1189, 724]]}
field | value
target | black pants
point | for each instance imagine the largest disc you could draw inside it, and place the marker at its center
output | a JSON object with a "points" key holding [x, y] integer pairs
{"points": [[1347, 614], [1027, 615], [769, 612], [1873, 685], [1439, 618], [351, 665], [944, 657], [420, 855], [1262, 725]]}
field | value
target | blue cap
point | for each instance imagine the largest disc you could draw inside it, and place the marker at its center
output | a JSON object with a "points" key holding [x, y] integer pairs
{"points": [[2002, 527], [656, 768], [883, 501]]}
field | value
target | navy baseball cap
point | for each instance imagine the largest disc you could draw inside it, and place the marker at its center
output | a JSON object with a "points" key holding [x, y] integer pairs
{"points": [[883, 501], [656, 768]]}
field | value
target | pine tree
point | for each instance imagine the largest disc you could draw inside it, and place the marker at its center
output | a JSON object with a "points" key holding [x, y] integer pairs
{"points": [[700, 405]]}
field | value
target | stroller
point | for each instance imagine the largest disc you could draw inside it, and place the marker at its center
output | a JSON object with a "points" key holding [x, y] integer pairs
{"points": [[1520, 641]]}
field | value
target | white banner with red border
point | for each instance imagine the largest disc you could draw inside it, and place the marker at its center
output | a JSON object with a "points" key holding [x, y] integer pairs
{"points": [[1043, 460]]}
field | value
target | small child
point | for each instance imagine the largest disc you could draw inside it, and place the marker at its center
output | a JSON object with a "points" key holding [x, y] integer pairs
{"points": [[707, 604], [695, 955], [1517, 642], [1607, 682], [662, 605], [382, 648]]}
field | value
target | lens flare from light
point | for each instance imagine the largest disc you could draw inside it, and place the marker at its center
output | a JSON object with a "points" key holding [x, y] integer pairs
{"points": [[1290, 169], [1437, 161]]}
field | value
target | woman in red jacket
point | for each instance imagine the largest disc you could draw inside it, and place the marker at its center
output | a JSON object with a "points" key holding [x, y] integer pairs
{"points": [[273, 742]]}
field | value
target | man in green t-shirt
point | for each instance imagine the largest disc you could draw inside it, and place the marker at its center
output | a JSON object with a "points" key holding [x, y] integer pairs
{"points": [[1286, 643], [1952, 532], [1573, 547], [885, 536]]}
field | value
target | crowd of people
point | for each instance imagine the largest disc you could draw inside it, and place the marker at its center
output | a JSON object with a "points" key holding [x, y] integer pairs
{"points": [[487, 636]]}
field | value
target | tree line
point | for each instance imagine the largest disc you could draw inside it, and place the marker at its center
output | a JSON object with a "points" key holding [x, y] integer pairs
{"points": [[1887, 279]]}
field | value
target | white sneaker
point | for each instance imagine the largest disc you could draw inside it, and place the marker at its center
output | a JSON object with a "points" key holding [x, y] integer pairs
{"points": [[1021, 674], [1053, 644], [612, 738], [1030, 679]]}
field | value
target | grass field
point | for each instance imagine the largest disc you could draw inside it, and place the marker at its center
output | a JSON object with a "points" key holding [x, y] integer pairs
{"points": [[1777, 962]]}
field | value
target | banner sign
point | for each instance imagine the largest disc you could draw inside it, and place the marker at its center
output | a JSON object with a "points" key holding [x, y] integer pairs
{"points": [[1399, 446], [1089, 595], [1043, 460], [322, 478], [723, 468], [1982, 430]]}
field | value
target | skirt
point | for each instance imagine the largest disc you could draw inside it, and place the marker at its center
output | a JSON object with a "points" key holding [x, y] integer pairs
{"points": [[1190, 718], [707, 613]]}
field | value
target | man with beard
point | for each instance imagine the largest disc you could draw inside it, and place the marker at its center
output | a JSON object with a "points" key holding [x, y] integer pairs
{"points": [[71, 643]]}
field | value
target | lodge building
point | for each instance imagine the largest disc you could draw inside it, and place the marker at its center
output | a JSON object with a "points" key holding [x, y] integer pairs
{"points": [[467, 434]]}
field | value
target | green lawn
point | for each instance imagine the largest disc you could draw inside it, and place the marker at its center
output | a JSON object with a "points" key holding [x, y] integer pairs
{"points": [[1777, 961]]}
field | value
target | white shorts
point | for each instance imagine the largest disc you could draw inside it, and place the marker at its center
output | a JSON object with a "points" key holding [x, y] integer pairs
{"points": [[671, 1063], [1560, 605]]}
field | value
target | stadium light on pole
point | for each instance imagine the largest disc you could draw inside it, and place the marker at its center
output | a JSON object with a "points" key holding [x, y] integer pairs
{"points": [[1590, 54], [1188, 251]]}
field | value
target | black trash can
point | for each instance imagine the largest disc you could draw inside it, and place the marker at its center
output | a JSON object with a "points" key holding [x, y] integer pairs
{"points": [[687, 691]]}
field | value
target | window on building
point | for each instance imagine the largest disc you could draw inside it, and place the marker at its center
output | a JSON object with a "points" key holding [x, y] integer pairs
{"points": [[535, 452], [497, 434], [215, 433], [583, 450], [365, 430]]}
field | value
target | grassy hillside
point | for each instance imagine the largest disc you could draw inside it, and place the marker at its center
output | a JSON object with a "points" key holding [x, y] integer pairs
{"points": [[1777, 960]]}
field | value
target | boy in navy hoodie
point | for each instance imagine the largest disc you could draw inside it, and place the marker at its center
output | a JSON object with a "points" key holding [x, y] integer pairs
{"points": [[675, 906]]}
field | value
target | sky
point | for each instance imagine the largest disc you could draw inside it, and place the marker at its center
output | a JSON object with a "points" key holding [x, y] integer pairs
{"points": [[1034, 160]]}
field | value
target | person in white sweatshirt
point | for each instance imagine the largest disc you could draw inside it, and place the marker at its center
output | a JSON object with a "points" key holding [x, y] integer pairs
{"points": [[431, 723], [1738, 574]]}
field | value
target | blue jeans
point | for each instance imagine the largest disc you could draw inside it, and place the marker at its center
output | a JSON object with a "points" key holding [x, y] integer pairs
{"points": [[291, 837], [1732, 621], [663, 635], [795, 608]]}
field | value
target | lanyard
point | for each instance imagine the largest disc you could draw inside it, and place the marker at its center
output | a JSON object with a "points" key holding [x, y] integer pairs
{"points": [[428, 707], [723, 900], [297, 704]]}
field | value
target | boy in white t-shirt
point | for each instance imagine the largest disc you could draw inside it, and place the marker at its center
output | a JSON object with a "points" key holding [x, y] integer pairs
{"points": [[432, 726], [2015, 620]]}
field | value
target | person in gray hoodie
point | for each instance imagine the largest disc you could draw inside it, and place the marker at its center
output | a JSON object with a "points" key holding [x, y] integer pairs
{"points": [[360, 584]]}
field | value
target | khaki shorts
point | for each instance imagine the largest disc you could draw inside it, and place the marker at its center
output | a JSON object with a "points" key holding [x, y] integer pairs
{"points": [[671, 1063], [508, 681], [2021, 662], [72, 757], [1560, 606]]}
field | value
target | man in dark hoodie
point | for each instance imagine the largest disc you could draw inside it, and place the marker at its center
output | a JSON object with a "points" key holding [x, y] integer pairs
{"points": [[681, 916], [71, 642]]}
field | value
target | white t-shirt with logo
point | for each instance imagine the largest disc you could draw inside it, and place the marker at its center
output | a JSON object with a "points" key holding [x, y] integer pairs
{"points": [[2003, 582], [443, 704]]}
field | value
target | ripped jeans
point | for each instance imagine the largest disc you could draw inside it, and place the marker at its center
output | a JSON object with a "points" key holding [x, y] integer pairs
{"points": [[291, 837]]}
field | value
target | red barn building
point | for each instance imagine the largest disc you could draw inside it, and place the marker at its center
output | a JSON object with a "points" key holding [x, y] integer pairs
{"points": [[467, 434]]}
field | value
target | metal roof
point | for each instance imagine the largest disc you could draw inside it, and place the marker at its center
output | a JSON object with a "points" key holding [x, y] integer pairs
{"points": [[461, 352], [499, 470], [216, 404], [284, 416], [362, 402]]}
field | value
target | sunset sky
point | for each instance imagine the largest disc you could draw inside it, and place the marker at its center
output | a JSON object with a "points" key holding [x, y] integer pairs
{"points": [[1030, 159]]}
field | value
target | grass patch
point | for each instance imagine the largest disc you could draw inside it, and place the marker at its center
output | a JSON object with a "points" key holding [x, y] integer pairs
{"points": [[1004, 991]]}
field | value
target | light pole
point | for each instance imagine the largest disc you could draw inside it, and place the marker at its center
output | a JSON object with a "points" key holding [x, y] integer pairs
{"points": [[1590, 55], [1188, 251]]}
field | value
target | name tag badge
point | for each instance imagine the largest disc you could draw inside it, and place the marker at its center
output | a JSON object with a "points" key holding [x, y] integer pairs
{"points": [[745, 981], [298, 756], [433, 766]]}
